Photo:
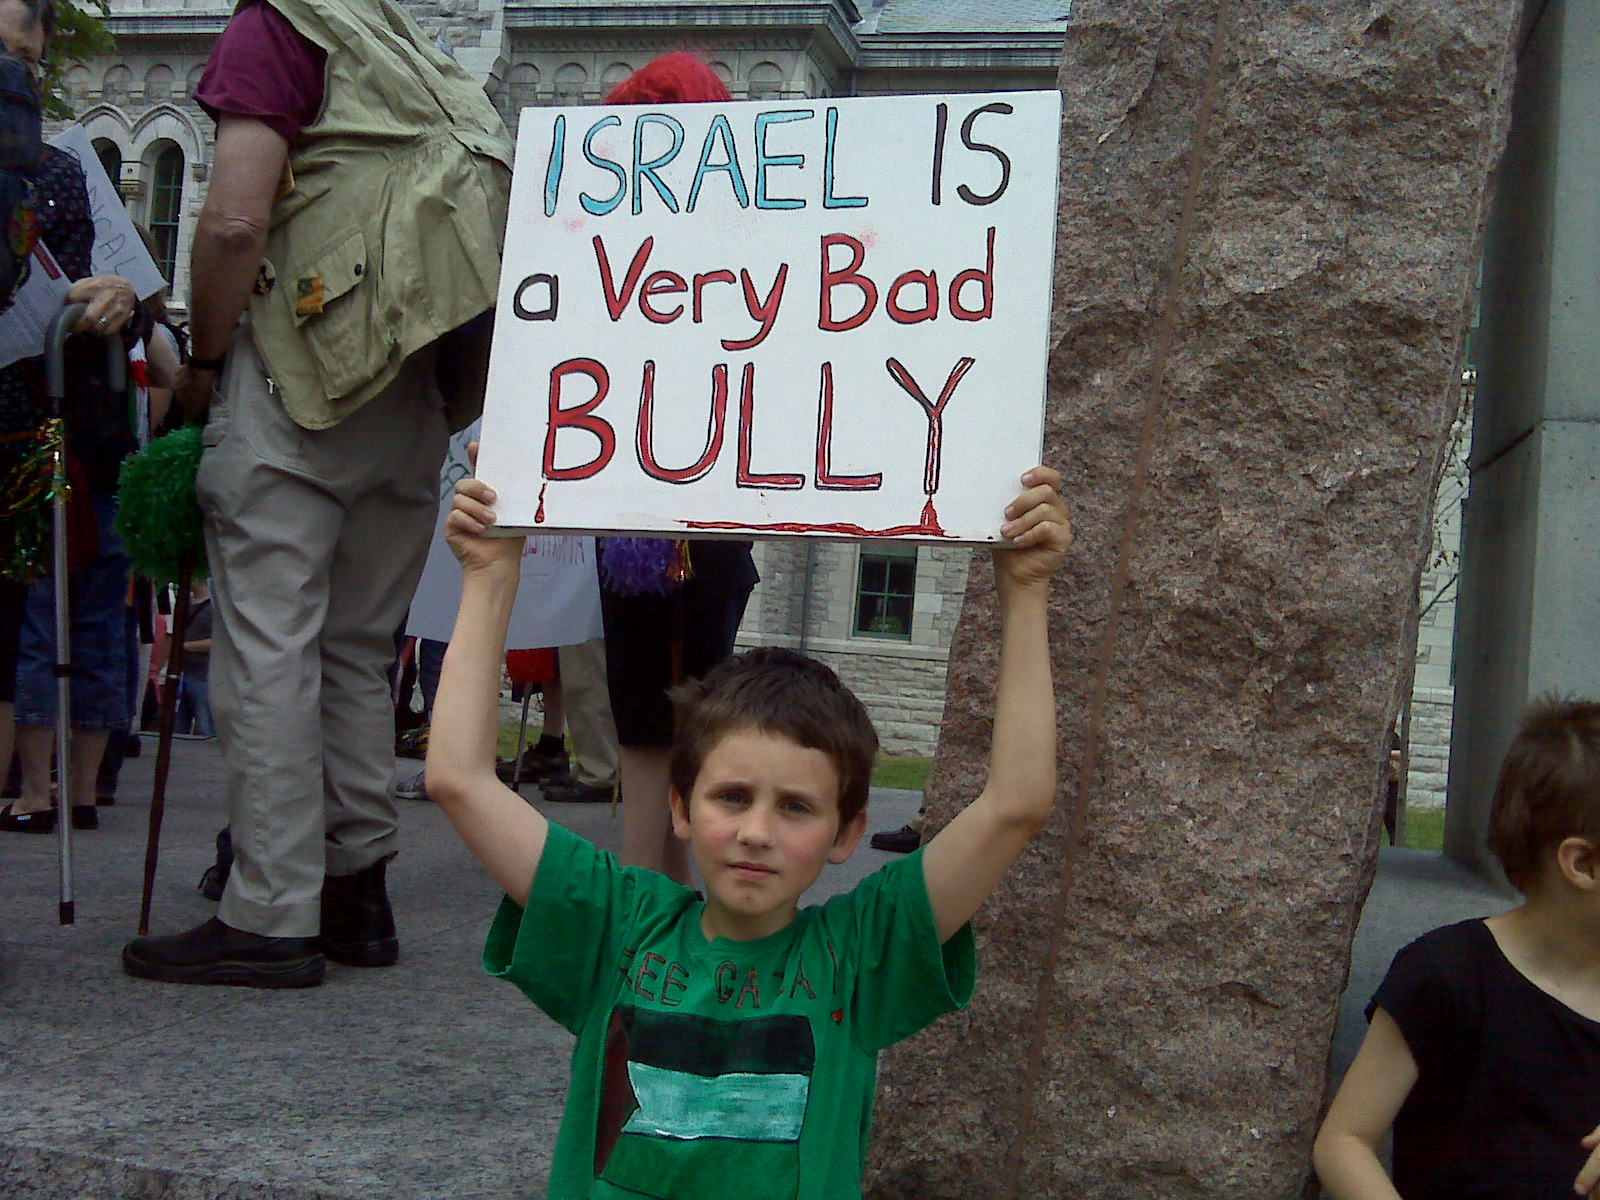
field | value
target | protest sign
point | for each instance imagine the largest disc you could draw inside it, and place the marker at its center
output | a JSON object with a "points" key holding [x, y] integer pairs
{"points": [[118, 248], [558, 601], [823, 317], [23, 326]]}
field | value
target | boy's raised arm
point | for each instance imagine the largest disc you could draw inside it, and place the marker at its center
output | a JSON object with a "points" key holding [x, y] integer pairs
{"points": [[502, 830], [971, 855]]}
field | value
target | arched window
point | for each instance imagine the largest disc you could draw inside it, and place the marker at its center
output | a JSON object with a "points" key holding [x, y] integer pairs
{"points": [[166, 204], [158, 84], [613, 75], [114, 87], [110, 156], [766, 81], [193, 83], [76, 81], [569, 84]]}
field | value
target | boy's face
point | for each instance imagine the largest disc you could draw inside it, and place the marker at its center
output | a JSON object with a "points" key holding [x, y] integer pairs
{"points": [[762, 820]]}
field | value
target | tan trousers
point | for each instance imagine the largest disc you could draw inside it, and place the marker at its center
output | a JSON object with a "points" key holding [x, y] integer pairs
{"points": [[593, 732], [316, 541]]}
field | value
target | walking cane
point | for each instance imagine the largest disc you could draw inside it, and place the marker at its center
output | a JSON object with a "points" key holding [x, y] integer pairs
{"points": [[171, 676], [55, 375]]}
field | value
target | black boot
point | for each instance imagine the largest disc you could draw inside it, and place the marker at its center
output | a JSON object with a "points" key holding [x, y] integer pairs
{"points": [[218, 953], [357, 923]]}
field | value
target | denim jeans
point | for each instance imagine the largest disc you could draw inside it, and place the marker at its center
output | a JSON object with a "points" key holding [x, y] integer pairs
{"points": [[99, 645]]}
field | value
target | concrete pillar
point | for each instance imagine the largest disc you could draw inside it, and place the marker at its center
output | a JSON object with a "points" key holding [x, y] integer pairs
{"points": [[1529, 613]]}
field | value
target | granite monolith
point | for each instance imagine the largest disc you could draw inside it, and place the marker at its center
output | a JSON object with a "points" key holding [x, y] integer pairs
{"points": [[1271, 216]]}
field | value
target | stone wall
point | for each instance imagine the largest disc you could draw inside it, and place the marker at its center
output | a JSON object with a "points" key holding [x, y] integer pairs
{"points": [[902, 683], [1270, 225]]}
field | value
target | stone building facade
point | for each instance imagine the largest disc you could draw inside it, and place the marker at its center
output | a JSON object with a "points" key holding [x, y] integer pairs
{"points": [[882, 616]]}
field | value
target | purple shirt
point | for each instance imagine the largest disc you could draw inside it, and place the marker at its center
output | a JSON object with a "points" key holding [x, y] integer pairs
{"points": [[263, 67]]}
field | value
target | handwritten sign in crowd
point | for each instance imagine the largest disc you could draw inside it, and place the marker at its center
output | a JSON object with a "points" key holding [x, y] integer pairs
{"points": [[817, 317]]}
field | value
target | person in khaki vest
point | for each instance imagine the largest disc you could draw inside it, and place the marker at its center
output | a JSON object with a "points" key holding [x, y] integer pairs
{"points": [[343, 265]]}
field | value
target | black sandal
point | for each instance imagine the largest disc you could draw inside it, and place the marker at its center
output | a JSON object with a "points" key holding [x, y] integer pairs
{"points": [[29, 822]]}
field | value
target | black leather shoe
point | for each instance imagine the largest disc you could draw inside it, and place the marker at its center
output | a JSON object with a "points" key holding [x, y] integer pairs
{"points": [[11, 821], [563, 789], [85, 816], [897, 841], [357, 922], [218, 953]]}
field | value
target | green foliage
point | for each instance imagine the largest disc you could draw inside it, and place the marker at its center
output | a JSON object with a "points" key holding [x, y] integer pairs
{"points": [[1425, 828], [80, 34], [157, 514], [901, 771]]}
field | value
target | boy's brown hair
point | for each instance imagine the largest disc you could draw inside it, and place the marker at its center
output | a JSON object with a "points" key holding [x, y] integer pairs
{"points": [[776, 691], [1549, 786]]}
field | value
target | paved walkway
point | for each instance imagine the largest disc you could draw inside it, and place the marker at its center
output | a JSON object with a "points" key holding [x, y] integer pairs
{"points": [[427, 1079]]}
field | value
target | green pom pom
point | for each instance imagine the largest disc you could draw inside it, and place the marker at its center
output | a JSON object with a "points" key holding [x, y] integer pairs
{"points": [[157, 513]]}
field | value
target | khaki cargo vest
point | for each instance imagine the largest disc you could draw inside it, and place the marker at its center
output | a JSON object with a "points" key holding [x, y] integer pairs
{"points": [[390, 235]]}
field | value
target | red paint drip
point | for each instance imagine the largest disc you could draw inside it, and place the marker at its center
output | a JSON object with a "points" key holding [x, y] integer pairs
{"points": [[930, 519], [538, 516], [843, 528]]}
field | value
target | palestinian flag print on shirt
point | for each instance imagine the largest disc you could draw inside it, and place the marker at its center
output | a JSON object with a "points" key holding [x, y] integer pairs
{"points": [[686, 1097]]}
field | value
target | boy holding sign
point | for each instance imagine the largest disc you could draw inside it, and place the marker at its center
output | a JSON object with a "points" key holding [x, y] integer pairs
{"points": [[736, 1038]]}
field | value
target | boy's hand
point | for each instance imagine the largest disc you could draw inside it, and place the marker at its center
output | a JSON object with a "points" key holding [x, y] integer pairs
{"points": [[1039, 530], [470, 515]]}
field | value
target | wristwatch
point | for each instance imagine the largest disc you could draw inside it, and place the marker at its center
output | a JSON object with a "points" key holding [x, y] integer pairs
{"points": [[208, 364]]}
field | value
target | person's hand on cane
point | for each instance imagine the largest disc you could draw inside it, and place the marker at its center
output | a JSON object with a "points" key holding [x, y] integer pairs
{"points": [[111, 300]]}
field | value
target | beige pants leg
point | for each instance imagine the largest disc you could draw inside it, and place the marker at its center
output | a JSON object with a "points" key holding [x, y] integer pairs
{"points": [[316, 541], [594, 734]]}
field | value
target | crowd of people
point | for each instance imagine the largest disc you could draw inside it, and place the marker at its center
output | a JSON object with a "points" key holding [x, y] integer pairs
{"points": [[338, 335]]}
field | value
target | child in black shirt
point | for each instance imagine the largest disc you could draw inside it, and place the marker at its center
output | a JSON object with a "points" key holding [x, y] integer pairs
{"points": [[1483, 1050]]}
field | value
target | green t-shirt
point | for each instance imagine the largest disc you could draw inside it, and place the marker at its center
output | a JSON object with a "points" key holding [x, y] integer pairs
{"points": [[717, 1068]]}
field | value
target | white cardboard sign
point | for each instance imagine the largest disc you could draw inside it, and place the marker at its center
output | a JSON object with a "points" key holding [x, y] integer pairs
{"points": [[800, 317], [558, 601], [118, 248]]}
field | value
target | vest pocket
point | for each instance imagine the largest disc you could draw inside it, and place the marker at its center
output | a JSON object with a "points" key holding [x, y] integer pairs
{"points": [[332, 297]]}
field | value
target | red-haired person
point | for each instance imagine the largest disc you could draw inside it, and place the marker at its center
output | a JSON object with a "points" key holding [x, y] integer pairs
{"points": [[702, 614], [1483, 1052]]}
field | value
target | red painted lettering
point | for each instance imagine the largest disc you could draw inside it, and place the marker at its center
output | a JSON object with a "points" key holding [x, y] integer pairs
{"points": [[675, 979], [826, 480], [617, 302], [700, 282], [716, 428], [578, 418], [985, 281], [747, 416], [646, 973], [727, 975], [934, 411], [661, 283], [928, 281], [752, 989], [847, 275], [763, 311]]}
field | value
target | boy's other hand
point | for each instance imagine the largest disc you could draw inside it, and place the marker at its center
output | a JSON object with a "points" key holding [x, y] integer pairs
{"points": [[471, 515], [1039, 530]]}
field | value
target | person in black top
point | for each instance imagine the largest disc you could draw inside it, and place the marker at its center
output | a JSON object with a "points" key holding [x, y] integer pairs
{"points": [[1483, 1049]]}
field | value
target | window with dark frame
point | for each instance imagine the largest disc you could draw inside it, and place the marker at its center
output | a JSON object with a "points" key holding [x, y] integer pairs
{"points": [[886, 591], [166, 200]]}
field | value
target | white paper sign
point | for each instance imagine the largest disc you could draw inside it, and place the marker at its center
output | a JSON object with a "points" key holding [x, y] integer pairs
{"points": [[23, 326], [807, 317], [118, 248], [558, 601]]}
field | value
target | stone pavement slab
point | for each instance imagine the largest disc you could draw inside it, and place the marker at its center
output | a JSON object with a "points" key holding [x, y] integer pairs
{"points": [[427, 1079]]}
